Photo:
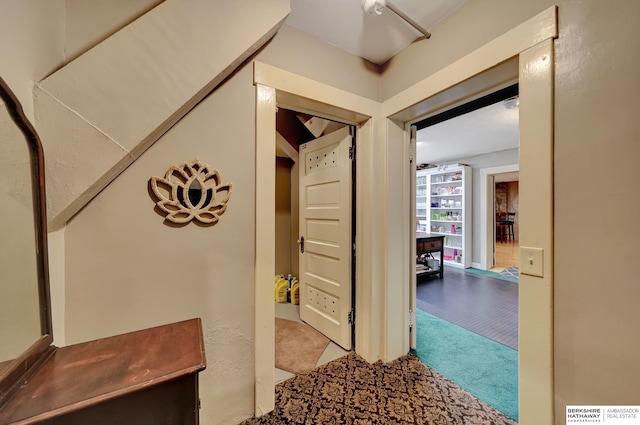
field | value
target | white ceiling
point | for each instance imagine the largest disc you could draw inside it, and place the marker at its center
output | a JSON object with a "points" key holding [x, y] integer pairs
{"points": [[485, 130], [343, 23]]}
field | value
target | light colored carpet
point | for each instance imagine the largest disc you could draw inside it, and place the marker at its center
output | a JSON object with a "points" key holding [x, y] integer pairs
{"points": [[298, 346]]}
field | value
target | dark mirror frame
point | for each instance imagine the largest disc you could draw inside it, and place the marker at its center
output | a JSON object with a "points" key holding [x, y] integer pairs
{"points": [[21, 367]]}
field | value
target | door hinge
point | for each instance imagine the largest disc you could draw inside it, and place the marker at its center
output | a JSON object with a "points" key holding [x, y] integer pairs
{"points": [[352, 318], [412, 319], [412, 143], [352, 152]]}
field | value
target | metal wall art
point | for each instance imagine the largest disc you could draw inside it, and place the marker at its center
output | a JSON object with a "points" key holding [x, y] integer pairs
{"points": [[191, 191]]}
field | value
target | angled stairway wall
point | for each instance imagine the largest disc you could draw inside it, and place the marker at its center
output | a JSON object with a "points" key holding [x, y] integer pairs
{"points": [[100, 112]]}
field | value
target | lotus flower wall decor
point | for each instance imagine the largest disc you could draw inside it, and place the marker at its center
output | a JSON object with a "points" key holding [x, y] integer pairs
{"points": [[191, 191]]}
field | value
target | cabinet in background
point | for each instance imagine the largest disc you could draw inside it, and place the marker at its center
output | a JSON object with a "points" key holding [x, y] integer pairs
{"points": [[443, 207]]}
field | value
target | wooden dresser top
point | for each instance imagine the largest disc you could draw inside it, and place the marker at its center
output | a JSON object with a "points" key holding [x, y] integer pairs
{"points": [[81, 375]]}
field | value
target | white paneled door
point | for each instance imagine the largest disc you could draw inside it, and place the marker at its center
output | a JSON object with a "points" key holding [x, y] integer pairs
{"points": [[325, 235]]}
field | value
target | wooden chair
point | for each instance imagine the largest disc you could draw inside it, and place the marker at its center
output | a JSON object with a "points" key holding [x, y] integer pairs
{"points": [[508, 223], [501, 229]]}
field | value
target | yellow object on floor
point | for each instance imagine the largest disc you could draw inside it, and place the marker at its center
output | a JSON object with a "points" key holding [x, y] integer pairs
{"points": [[295, 292], [281, 288]]}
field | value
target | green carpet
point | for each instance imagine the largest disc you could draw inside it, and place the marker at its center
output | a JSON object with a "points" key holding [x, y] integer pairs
{"points": [[484, 368], [491, 274]]}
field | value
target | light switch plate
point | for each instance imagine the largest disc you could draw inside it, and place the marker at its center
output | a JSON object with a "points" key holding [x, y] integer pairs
{"points": [[531, 261]]}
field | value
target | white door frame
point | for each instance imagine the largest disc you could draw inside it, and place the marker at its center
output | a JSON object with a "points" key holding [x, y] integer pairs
{"points": [[532, 43], [383, 242], [487, 214], [276, 87]]}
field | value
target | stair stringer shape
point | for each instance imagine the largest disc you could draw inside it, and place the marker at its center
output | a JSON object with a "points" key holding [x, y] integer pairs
{"points": [[100, 112]]}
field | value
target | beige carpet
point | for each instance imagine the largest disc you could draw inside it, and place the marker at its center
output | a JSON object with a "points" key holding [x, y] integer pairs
{"points": [[351, 391], [298, 346]]}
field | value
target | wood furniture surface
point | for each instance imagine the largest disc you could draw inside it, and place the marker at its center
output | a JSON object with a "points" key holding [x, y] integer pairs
{"points": [[143, 377], [427, 242]]}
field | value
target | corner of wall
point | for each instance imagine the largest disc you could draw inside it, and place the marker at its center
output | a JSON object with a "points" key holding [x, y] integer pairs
{"points": [[57, 284]]}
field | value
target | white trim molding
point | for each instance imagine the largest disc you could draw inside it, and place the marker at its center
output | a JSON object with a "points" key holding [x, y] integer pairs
{"points": [[487, 235], [276, 87]]}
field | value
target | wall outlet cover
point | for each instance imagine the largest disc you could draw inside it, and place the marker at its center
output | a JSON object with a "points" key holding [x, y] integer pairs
{"points": [[531, 261]]}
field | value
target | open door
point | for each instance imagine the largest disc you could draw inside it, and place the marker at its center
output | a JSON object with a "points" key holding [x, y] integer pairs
{"points": [[413, 293], [325, 236]]}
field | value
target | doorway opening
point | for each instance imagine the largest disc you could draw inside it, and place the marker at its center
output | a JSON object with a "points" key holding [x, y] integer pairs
{"points": [[507, 225], [383, 335], [466, 318], [313, 241]]}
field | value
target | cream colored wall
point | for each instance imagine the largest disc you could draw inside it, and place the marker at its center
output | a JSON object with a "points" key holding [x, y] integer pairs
{"points": [[467, 29], [596, 146], [32, 44], [102, 110], [90, 22], [19, 300], [304, 55], [36, 38], [126, 270]]}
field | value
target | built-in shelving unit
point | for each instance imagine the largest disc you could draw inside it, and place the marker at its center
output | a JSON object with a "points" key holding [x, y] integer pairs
{"points": [[443, 207]]}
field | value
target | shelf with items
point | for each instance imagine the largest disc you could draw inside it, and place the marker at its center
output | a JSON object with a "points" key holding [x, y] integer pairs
{"points": [[453, 256], [448, 229], [422, 203], [448, 203], [454, 183]]}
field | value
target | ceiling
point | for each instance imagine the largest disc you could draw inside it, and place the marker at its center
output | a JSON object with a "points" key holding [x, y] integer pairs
{"points": [[377, 38], [485, 130], [343, 24]]}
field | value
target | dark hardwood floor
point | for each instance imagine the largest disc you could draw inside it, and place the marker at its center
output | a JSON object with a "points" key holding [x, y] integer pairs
{"points": [[482, 304]]}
